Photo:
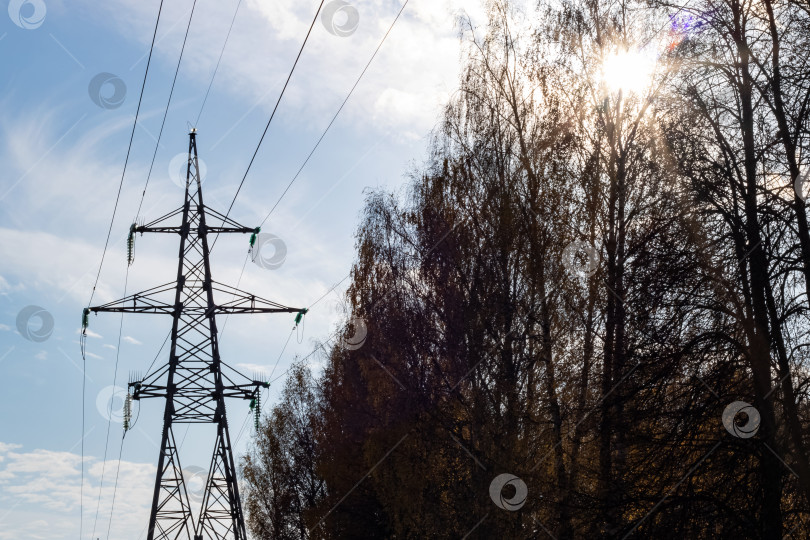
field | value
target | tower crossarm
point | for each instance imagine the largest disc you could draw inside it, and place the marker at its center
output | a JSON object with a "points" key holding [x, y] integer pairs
{"points": [[244, 391], [226, 224], [149, 302], [232, 226], [179, 229], [144, 390], [142, 302], [244, 302]]}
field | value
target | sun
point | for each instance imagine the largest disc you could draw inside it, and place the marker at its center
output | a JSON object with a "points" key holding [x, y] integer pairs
{"points": [[629, 71]]}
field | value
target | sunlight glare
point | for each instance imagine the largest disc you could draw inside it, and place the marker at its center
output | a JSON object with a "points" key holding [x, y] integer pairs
{"points": [[629, 71]]}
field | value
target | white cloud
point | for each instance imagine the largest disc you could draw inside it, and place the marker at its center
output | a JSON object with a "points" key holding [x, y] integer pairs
{"points": [[6, 447], [41, 355], [58, 230], [91, 334], [419, 59], [5, 327], [249, 369], [39, 482], [132, 340], [22, 259]]}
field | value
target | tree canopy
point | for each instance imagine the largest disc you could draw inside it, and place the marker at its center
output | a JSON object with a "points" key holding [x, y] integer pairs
{"points": [[586, 315]]}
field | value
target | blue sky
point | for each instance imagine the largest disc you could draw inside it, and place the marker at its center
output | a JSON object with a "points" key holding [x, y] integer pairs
{"points": [[62, 157]]}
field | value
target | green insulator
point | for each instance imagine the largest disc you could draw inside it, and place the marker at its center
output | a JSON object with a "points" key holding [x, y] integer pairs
{"points": [[257, 411], [85, 318], [131, 245], [300, 315], [253, 236], [127, 412]]}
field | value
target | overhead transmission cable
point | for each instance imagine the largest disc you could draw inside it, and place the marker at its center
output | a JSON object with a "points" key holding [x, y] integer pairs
{"points": [[272, 115], [319, 347], [126, 280], [310, 155], [104, 253], [320, 139], [244, 424], [210, 84], [115, 488], [332, 121], [273, 371], [81, 488], [109, 411], [295, 177], [168, 104], [126, 160]]}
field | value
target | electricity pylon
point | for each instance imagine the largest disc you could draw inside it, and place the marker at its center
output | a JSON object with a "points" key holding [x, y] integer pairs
{"points": [[194, 381]]}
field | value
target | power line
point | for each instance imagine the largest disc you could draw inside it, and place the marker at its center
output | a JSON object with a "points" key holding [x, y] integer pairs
{"points": [[126, 280], [126, 160], [109, 410], [253, 156], [115, 488], [320, 346], [168, 104], [238, 282], [314, 148], [336, 114], [81, 488], [332, 121], [169, 333], [104, 253], [304, 359], [244, 425], [335, 286], [271, 374], [184, 401], [295, 177], [272, 115], [210, 84], [282, 352]]}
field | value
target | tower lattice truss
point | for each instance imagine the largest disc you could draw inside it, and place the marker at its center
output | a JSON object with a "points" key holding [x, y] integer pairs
{"points": [[195, 381]]}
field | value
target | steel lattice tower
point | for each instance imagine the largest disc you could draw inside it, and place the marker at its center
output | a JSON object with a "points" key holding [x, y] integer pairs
{"points": [[195, 381]]}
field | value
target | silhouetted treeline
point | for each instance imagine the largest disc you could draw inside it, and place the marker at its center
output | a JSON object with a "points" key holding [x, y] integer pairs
{"points": [[579, 286]]}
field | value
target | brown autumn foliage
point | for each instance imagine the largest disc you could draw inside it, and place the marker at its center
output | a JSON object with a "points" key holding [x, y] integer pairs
{"points": [[572, 290]]}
